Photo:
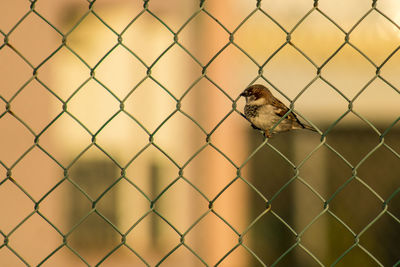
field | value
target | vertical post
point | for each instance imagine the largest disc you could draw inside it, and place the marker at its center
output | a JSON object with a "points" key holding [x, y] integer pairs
{"points": [[213, 172], [306, 204]]}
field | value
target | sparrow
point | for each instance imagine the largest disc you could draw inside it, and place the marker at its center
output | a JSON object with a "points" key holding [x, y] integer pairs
{"points": [[263, 111]]}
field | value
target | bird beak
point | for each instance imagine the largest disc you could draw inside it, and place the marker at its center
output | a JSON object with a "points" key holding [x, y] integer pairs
{"points": [[243, 94]]}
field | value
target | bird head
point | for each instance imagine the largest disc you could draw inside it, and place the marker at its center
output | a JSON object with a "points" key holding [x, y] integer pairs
{"points": [[257, 94]]}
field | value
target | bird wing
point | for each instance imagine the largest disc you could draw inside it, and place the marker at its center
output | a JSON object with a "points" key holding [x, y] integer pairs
{"points": [[281, 111]]}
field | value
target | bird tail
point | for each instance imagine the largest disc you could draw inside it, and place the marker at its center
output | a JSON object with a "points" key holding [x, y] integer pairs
{"points": [[308, 127]]}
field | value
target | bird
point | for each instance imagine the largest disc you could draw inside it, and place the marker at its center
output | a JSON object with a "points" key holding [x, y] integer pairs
{"points": [[263, 111]]}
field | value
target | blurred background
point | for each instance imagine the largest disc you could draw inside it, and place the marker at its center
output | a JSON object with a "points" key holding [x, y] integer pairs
{"points": [[121, 142]]}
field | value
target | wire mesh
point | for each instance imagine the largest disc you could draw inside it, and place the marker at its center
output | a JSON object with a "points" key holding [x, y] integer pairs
{"points": [[240, 235]]}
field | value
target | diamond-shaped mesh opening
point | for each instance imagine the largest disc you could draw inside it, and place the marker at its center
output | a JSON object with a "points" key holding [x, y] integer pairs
{"points": [[135, 138], [243, 65], [71, 74], [273, 231], [277, 73], [356, 252], [72, 13], [38, 161], [219, 180], [77, 139], [16, 147], [260, 48], [236, 187], [325, 32], [200, 114], [387, 74], [30, 111], [359, 137], [345, 14], [37, 44], [83, 108], [211, 221], [370, 170], [24, 239], [340, 206], [308, 203], [390, 140], [122, 138], [11, 193], [86, 48], [93, 232], [381, 93], [150, 94], [340, 236], [288, 13], [145, 169], [168, 71], [61, 191], [151, 226], [314, 252], [101, 170], [176, 193], [139, 40], [170, 129], [212, 30], [387, 33], [11, 13], [14, 76], [384, 251], [126, 10], [119, 81], [350, 80]]}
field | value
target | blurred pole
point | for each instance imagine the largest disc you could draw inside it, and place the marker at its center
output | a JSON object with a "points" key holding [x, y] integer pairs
{"points": [[306, 204], [213, 172]]}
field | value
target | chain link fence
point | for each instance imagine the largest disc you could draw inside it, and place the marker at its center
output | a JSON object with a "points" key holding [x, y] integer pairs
{"points": [[281, 218]]}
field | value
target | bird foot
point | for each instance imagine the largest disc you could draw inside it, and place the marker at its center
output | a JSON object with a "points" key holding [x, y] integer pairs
{"points": [[266, 134]]}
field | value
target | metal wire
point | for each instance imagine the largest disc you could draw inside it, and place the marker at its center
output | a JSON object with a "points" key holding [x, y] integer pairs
{"points": [[202, 9]]}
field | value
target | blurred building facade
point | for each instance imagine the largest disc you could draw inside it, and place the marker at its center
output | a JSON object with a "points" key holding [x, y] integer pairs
{"points": [[92, 175]]}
